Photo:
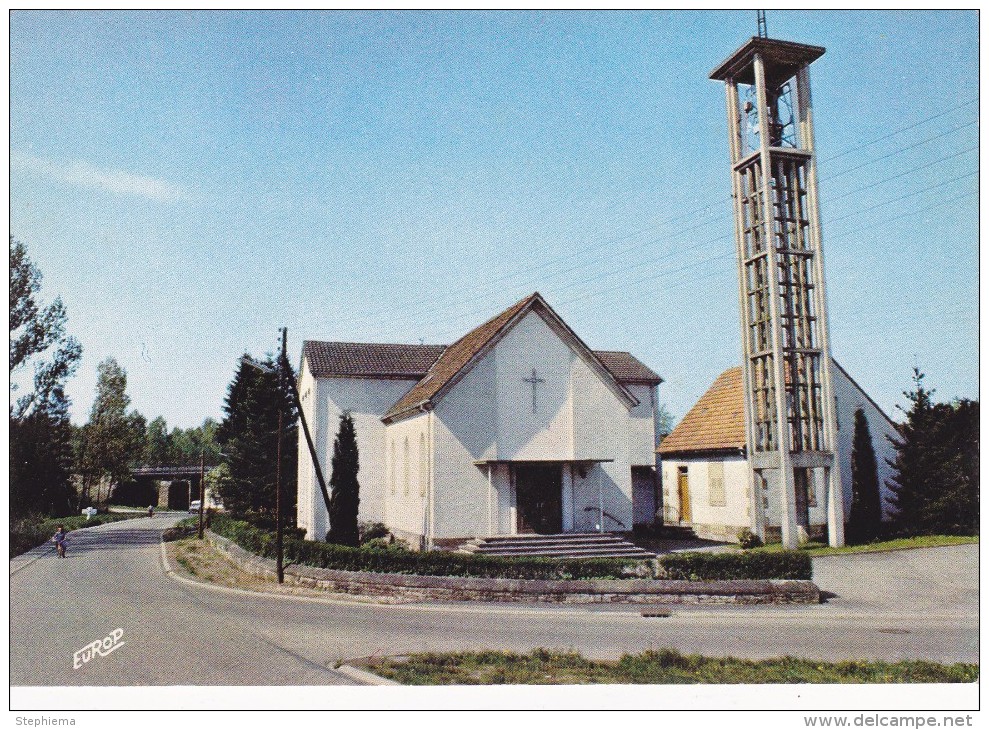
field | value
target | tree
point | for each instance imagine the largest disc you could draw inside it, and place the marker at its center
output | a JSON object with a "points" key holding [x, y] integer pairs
{"points": [[936, 469], [40, 430], [665, 422], [247, 435], [344, 488], [110, 437], [158, 444], [865, 516]]}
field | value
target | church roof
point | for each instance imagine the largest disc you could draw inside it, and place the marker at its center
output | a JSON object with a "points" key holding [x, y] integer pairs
{"points": [[434, 366], [715, 423], [369, 360]]}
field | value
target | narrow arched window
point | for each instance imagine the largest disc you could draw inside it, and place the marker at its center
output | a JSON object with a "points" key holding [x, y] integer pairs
{"points": [[391, 468], [407, 465], [423, 465]]}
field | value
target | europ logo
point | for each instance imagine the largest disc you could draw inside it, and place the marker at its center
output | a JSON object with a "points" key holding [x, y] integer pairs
{"points": [[100, 647]]}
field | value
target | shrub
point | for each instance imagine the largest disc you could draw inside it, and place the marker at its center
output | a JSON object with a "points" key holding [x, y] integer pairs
{"points": [[748, 539], [372, 531], [787, 564], [376, 559]]}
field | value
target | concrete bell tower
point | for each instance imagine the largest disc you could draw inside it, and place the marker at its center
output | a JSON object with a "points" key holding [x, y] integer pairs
{"points": [[790, 422]]}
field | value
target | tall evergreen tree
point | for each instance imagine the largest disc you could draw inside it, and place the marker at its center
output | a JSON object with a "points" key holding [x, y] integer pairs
{"points": [[40, 431], [936, 475], [109, 439], [865, 516], [344, 487], [247, 435]]}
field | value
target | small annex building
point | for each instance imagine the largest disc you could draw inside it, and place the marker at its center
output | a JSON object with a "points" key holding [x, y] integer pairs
{"points": [[517, 427], [704, 469]]}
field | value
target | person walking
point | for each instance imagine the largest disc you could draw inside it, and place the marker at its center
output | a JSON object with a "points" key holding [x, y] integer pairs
{"points": [[151, 510]]}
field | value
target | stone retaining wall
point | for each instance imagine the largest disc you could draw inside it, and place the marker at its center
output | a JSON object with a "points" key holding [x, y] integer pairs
{"points": [[448, 588]]}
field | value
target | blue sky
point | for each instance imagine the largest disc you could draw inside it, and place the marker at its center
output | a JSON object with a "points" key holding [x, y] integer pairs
{"points": [[188, 182]]}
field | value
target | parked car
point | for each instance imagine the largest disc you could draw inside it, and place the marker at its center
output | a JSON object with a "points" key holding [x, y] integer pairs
{"points": [[194, 506]]}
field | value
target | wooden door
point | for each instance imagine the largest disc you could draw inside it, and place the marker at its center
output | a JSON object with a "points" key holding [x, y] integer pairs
{"points": [[539, 498], [683, 491]]}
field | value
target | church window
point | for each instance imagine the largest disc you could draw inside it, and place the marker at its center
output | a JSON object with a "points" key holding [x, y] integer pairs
{"points": [[391, 468], [716, 483], [423, 465], [406, 465]]}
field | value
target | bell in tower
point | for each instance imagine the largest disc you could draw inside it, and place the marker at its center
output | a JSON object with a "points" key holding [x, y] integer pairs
{"points": [[790, 421]]}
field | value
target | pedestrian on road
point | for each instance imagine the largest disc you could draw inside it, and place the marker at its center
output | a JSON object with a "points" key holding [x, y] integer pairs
{"points": [[151, 510], [59, 539]]}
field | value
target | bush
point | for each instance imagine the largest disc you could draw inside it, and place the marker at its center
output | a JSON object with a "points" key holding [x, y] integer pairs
{"points": [[376, 559], [372, 531], [748, 539], [31, 532], [787, 564]]}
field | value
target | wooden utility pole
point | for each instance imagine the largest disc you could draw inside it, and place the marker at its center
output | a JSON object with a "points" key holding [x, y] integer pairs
{"points": [[202, 488], [279, 545]]}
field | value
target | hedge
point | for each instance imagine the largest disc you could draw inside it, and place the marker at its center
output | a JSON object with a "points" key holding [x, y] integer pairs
{"points": [[28, 533], [784, 565], [391, 560]]}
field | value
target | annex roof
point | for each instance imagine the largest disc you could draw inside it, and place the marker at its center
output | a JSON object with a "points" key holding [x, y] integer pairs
{"points": [[717, 420]]}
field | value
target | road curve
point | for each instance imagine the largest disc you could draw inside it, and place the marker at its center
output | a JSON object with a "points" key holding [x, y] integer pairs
{"points": [[918, 604]]}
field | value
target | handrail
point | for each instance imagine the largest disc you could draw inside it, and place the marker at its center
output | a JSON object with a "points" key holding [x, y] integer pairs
{"points": [[604, 514]]}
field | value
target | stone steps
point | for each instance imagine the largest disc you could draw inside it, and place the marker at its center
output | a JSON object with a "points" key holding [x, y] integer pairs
{"points": [[566, 545]]}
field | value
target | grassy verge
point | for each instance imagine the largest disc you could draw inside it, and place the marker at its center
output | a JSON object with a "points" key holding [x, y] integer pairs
{"points": [[817, 549], [29, 533], [654, 667]]}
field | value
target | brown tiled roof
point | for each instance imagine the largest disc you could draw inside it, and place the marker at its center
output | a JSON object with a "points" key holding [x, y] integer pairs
{"points": [[716, 422], [435, 365], [455, 357], [369, 360], [412, 362], [627, 368]]}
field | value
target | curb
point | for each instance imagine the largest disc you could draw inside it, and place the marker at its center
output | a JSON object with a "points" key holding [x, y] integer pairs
{"points": [[365, 677]]}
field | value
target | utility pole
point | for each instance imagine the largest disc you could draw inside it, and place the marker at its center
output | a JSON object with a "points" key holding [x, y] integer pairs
{"points": [[202, 488], [279, 552]]}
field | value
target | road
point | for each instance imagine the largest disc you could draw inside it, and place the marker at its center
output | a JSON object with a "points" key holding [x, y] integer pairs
{"points": [[909, 604]]}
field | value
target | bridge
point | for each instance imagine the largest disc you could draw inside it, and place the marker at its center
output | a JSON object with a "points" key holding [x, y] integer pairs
{"points": [[177, 484]]}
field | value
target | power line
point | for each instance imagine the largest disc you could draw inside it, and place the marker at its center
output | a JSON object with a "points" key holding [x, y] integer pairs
{"points": [[432, 300]]}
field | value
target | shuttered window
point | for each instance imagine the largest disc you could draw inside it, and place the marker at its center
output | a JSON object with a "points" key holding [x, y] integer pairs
{"points": [[716, 483]]}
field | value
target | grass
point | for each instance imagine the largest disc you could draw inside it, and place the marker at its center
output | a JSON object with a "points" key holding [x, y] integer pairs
{"points": [[653, 667], [817, 549]]}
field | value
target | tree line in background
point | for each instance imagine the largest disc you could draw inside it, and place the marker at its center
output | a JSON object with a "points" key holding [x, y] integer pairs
{"points": [[55, 467]]}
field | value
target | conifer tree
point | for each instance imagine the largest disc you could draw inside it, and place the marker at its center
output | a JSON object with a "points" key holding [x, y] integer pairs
{"points": [[865, 517], [912, 479], [344, 487]]}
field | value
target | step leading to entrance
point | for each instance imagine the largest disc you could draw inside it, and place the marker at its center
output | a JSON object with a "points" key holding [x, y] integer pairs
{"points": [[565, 545]]}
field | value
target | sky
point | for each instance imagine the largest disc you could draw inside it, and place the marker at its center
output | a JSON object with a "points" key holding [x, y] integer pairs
{"points": [[190, 181]]}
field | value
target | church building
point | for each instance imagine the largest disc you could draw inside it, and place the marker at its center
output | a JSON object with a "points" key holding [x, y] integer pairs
{"points": [[706, 474], [517, 427]]}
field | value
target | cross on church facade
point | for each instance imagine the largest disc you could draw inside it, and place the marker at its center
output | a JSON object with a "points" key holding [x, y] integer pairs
{"points": [[534, 380]]}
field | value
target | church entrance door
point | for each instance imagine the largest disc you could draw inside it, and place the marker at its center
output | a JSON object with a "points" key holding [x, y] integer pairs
{"points": [[539, 498]]}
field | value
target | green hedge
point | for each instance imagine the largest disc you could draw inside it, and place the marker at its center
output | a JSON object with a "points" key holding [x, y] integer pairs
{"points": [[391, 560], [27, 534], [786, 564]]}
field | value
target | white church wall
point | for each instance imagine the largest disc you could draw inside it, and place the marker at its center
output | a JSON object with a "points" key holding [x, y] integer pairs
{"points": [[407, 477], [367, 400], [310, 511], [464, 431], [544, 432], [601, 431], [849, 397], [642, 428]]}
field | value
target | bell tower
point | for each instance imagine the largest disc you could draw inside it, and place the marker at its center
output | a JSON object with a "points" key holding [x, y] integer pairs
{"points": [[790, 421]]}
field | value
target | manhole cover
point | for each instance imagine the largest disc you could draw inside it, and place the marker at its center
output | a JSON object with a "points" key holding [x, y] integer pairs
{"points": [[893, 631]]}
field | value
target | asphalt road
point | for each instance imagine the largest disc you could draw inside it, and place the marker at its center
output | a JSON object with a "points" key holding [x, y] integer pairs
{"points": [[920, 604]]}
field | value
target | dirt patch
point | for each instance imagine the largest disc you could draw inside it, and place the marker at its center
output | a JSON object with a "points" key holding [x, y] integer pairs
{"points": [[199, 560]]}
